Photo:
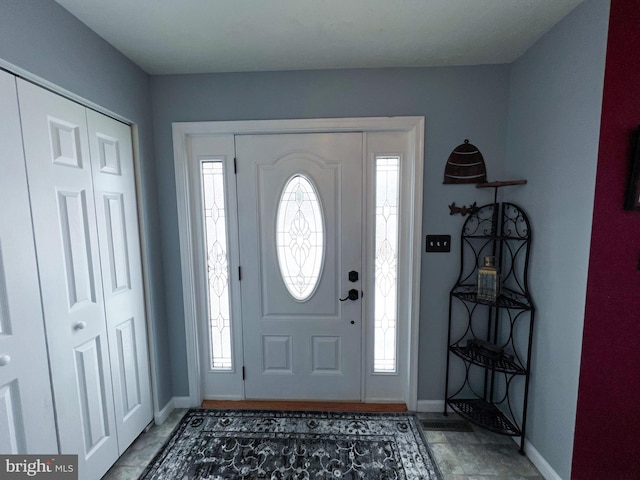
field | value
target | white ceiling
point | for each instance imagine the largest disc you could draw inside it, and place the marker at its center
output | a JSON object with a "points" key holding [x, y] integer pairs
{"points": [[197, 36]]}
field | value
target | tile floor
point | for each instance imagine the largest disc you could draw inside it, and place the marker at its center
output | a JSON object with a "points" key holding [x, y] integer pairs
{"points": [[133, 461], [477, 455]]}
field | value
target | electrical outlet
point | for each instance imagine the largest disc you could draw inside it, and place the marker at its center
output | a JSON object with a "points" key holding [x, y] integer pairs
{"points": [[438, 243]]}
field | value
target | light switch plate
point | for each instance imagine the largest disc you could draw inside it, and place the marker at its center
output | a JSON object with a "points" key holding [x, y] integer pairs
{"points": [[438, 243]]}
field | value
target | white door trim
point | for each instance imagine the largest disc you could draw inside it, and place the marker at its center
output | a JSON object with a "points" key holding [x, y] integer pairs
{"points": [[182, 131]]}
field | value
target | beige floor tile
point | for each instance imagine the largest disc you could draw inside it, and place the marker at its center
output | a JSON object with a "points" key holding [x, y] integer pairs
{"points": [[141, 452], [123, 473], [446, 459]]}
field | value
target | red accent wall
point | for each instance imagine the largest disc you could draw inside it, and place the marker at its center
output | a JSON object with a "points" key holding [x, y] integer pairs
{"points": [[607, 436]]}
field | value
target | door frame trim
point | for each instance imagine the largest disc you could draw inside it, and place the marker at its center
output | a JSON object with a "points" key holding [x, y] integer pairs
{"points": [[182, 131]]}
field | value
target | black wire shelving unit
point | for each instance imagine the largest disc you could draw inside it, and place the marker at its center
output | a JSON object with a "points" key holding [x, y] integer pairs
{"points": [[492, 339]]}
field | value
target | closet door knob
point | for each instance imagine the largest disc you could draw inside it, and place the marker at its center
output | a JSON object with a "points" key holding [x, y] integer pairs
{"points": [[4, 360], [80, 325]]}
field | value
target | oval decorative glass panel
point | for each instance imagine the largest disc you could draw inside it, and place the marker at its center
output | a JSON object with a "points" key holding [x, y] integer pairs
{"points": [[300, 237]]}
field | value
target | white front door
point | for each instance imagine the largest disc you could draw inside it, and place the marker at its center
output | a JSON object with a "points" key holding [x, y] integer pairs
{"points": [[299, 211], [26, 406]]}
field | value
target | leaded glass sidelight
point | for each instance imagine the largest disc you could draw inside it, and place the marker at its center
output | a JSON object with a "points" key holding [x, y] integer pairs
{"points": [[215, 232], [300, 237], [386, 263]]}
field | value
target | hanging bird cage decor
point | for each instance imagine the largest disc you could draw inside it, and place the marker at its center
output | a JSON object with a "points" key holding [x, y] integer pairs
{"points": [[465, 165]]}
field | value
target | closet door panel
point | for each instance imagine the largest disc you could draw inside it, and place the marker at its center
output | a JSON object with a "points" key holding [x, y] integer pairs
{"points": [[115, 197], [61, 191], [26, 407]]}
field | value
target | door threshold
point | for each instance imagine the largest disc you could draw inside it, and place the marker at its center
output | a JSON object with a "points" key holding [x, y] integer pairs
{"points": [[318, 406]]}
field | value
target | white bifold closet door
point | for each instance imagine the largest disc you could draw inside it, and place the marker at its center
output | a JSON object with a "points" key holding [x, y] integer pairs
{"points": [[115, 197], [26, 407], [81, 185]]}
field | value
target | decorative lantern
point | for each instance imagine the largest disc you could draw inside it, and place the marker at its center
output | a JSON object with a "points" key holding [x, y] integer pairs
{"points": [[465, 165]]}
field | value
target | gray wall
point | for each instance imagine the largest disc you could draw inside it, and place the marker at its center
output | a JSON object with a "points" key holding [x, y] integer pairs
{"points": [[44, 39], [458, 103], [554, 126]]}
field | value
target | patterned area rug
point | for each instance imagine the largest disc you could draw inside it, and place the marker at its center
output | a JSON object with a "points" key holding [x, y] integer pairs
{"points": [[241, 444]]}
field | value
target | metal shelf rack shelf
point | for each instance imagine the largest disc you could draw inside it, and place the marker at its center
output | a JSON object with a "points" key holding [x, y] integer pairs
{"points": [[492, 340]]}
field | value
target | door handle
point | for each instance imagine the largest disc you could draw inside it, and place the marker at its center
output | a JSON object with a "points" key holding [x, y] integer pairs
{"points": [[353, 276], [4, 360], [353, 295]]}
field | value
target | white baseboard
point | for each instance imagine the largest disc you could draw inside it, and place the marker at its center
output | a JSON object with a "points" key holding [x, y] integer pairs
{"points": [[383, 400], [224, 397], [176, 402], [430, 406], [161, 415], [183, 402], [538, 460]]}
